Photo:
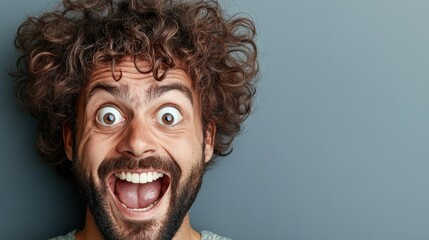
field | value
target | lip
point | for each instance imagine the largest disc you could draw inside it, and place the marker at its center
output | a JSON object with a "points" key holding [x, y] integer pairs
{"points": [[156, 211]]}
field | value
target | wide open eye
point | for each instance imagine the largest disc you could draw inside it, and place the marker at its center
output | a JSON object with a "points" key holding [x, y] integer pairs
{"points": [[169, 116], [109, 116]]}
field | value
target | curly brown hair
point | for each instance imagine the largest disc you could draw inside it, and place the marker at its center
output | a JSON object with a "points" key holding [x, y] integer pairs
{"points": [[60, 50]]}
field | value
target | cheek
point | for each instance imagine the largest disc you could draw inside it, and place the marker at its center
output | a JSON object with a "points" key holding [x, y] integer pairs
{"points": [[185, 148], [91, 152]]}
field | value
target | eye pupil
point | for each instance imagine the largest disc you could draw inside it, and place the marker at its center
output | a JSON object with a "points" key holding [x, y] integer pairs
{"points": [[167, 119], [109, 118]]}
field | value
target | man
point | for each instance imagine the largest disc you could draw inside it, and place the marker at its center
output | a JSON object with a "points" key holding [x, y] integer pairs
{"points": [[139, 96]]}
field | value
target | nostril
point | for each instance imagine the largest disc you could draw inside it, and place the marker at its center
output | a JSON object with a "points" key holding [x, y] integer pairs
{"points": [[129, 154], [135, 149]]}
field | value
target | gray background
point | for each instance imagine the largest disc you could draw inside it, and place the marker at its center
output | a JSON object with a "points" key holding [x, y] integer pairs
{"points": [[336, 149]]}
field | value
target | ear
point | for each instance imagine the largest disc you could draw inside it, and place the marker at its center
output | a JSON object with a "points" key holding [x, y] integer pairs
{"points": [[68, 140], [209, 141]]}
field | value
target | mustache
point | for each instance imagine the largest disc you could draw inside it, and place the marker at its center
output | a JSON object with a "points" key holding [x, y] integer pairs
{"points": [[159, 163]]}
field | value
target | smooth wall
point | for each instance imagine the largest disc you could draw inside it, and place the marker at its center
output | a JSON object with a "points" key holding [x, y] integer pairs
{"points": [[337, 147]]}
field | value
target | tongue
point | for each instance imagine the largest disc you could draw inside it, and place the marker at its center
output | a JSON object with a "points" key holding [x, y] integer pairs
{"points": [[135, 195]]}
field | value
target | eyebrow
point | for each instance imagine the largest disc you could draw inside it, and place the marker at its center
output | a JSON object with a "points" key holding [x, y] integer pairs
{"points": [[156, 91], [116, 90], [153, 92]]}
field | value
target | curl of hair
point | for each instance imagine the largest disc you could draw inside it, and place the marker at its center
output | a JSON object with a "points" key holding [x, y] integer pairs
{"points": [[61, 48]]}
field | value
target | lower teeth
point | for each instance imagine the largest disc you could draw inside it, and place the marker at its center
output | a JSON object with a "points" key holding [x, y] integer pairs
{"points": [[143, 209]]}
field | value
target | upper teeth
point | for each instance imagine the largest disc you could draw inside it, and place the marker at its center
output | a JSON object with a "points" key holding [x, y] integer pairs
{"points": [[139, 177]]}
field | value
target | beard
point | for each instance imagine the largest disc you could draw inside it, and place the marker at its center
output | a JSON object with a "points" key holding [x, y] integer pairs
{"points": [[181, 199]]}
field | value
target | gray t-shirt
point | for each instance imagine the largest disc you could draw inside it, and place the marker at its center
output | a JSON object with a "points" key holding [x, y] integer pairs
{"points": [[205, 235]]}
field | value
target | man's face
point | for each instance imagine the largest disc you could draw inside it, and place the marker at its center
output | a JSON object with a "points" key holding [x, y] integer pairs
{"points": [[139, 151]]}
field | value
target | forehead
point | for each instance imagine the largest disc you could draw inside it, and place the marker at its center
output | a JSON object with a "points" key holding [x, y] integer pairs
{"points": [[130, 71], [131, 80]]}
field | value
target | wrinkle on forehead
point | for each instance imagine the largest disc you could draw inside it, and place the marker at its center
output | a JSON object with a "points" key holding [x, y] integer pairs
{"points": [[119, 90], [102, 80], [136, 70]]}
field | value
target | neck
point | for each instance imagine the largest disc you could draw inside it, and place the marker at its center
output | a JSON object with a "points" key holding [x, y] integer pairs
{"points": [[90, 231], [186, 231]]}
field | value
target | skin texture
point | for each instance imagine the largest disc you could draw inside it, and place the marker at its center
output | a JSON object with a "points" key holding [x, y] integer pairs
{"points": [[138, 132]]}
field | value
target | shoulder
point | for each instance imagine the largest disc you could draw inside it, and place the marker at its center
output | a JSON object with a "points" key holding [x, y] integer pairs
{"points": [[68, 236], [206, 235]]}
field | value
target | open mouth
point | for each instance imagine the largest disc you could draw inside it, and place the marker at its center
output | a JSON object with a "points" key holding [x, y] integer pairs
{"points": [[139, 191]]}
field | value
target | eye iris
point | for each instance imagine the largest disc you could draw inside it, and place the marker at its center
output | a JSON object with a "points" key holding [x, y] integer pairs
{"points": [[109, 118], [167, 119]]}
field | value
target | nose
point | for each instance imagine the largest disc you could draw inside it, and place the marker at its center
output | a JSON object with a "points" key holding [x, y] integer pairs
{"points": [[137, 140]]}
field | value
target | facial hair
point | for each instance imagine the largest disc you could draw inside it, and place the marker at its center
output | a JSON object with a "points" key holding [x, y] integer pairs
{"points": [[182, 197]]}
